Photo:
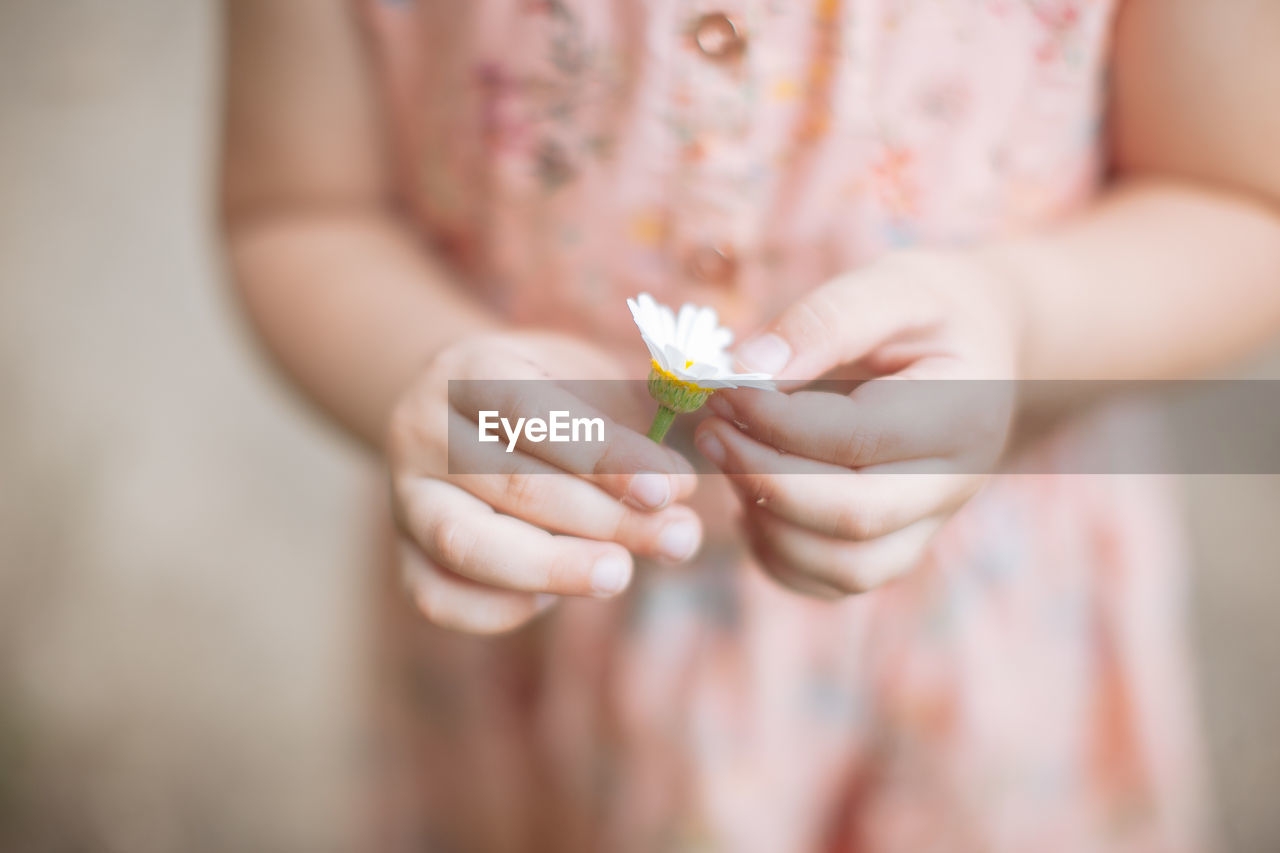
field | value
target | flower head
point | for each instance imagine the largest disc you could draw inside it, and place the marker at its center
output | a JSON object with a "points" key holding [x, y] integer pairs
{"points": [[690, 358], [692, 346]]}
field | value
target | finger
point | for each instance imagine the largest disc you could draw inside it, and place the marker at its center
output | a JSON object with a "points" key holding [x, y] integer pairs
{"points": [[839, 322], [453, 602], [782, 571], [823, 563], [911, 415], [541, 494], [620, 460], [827, 499], [463, 534], [880, 421]]}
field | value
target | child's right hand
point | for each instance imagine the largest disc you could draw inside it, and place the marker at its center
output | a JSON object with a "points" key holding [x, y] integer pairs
{"points": [[486, 552]]}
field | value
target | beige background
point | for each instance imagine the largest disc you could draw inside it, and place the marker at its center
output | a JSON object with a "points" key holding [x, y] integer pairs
{"points": [[181, 548]]}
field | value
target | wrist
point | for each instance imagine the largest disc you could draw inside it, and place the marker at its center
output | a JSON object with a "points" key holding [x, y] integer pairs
{"points": [[1006, 291]]}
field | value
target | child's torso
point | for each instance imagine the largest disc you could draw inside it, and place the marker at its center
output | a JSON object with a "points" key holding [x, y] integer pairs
{"points": [[563, 154]]}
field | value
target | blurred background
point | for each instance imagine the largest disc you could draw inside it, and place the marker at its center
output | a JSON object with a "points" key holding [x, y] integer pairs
{"points": [[184, 551]]}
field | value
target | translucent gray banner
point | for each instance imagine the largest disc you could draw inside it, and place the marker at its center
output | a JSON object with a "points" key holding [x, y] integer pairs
{"points": [[890, 425]]}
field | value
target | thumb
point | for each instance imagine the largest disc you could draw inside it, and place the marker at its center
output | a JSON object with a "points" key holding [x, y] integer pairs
{"points": [[837, 323]]}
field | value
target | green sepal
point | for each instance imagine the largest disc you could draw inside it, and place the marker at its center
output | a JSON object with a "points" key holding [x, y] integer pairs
{"points": [[678, 396]]}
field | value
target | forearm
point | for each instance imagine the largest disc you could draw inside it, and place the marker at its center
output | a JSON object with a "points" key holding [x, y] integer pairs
{"points": [[349, 304], [1157, 280]]}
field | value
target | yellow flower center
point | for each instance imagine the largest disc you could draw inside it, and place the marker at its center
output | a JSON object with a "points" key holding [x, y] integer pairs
{"points": [[671, 377]]}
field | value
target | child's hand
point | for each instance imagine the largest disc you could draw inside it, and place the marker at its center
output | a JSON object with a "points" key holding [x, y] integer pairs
{"points": [[802, 462], [481, 550]]}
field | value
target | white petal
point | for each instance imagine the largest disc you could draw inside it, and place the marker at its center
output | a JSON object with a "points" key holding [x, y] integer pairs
{"points": [[641, 317], [693, 336], [655, 352], [642, 313], [673, 359], [656, 316], [666, 324], [683, 337], [702, 370], [703, 330], [762, 381]]}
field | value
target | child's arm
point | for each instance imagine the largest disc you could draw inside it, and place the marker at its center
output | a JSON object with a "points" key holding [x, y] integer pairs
{"points": [[1176, 269], [358, 315], [342, 294]]}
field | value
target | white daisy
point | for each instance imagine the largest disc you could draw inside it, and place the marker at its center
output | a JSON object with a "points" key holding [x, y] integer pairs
{"points": [[690, 358], [691, 347]]}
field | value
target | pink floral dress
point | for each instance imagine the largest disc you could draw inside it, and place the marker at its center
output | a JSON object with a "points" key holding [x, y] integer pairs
{"points": [[1025, 687]]}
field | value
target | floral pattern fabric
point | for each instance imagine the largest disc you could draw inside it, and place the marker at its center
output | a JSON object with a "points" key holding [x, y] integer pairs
{"points": [[1024, 688]]}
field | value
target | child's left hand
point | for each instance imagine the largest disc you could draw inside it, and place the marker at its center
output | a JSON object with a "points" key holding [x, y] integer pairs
{"points": [[844, 492]]}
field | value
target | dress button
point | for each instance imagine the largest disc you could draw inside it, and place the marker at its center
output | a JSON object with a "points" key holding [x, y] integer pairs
{"points": [[713, 264], [717, 36]]}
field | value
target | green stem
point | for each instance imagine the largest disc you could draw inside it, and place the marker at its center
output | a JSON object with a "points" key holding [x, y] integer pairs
{"points": [[662, 420]]}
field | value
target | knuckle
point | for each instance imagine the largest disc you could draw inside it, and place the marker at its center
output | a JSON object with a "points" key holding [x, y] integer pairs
{"points": [[747, 408], [855, 522], [520, 400], [522, 491], [604, 462], [452, 541], [404, 429], [853, 448], [449, 359], [814, 318], [774, 433], [625, 525], [527, 399], [760, 490], [415, 431], [560, 567], [859, 447]]}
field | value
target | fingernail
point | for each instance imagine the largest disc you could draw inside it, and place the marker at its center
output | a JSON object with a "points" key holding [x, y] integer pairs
{"points": [[610, 574], [765, 354], [679, 540], [649, 490], [711, 447], [543, 600]]}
